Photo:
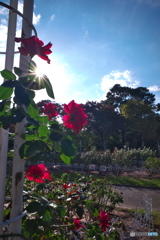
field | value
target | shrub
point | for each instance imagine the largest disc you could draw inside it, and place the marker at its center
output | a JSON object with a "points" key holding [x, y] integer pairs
{"points": [[152, 162], [121, 157]]}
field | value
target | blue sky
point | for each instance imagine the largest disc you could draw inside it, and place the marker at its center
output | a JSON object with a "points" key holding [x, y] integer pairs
{"points": [[96, 44]]}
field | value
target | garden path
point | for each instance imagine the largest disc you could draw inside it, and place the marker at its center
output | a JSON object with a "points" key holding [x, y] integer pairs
{"points": [[132, 197]]}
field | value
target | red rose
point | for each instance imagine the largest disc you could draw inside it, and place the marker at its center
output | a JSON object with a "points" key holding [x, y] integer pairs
{"points": [[78, 224], [104, 219], [38, 173], [34, 46], [66, 185], [49, 109], [76, 118]]}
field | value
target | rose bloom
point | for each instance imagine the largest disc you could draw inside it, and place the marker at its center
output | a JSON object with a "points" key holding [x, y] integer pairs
{"points": [[104, 219], [76, 118], [38, 173], [50, 110], [66, 185], [34, 46], [78, 224]]}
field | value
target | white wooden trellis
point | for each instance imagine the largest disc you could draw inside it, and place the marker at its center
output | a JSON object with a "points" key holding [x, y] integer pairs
{"points": [[18, 163]]}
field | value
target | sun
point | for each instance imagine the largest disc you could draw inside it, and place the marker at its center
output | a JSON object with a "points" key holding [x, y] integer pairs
{"points": [[41, 67]]}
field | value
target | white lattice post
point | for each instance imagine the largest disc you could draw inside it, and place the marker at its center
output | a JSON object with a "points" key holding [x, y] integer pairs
{"points": [[4, 133], [18, 163]]}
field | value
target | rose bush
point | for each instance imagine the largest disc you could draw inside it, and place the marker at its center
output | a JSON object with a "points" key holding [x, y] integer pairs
{"points": [[56, 208]]}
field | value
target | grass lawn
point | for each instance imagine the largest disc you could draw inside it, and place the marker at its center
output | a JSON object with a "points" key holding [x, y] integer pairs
{"points": [[116, 179], [134, 181]]}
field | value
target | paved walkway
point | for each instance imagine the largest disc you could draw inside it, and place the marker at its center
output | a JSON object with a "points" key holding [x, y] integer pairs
{"points": [[133, 196]]}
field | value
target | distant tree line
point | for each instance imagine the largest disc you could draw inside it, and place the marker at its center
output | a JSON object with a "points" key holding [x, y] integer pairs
{"points": [[128, 116]]}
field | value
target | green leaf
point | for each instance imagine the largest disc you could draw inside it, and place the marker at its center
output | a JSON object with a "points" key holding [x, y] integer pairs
{"points": [[44, 201], [2, 105], [29, 137], [21, 95], [35, 158], [32, 110], [66, 159], [32, 121], [48, 87], [30, 93], [34, 147], [55, 136], [18, 71], [61, 211], [6, 122], [10, 83], [32, 66], [5, 93], [19, 115], [55, 126], [8, 75], [23, 148], [43, 131], [43, 119], [47, 216], [33, 207], [80, 211], [68, 148], [34, 84]]}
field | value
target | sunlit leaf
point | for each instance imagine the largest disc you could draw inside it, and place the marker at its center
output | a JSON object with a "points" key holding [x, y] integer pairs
{"points": [[43, 119], [8, 75], [32, 65], [32, 110], [5, 93], [65, 158], [43, 131], [48, 87]]}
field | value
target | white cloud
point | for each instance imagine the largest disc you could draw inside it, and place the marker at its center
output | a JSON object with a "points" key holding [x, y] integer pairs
{"points": [[154, 88], [52, 17], [116, 77], [36, 18], [86, 32]]}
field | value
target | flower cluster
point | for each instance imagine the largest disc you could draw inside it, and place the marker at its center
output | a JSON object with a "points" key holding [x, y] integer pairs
{"points": [[74, 118]]}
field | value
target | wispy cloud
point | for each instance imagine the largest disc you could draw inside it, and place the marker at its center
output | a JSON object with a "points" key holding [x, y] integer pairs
{"points": [[52, 17], [154, 88], [86, 32], [124, 78]]}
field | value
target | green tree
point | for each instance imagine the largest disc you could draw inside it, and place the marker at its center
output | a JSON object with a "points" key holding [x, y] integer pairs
{"points": [[119, 95], [141, 123], [104, 125]]}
